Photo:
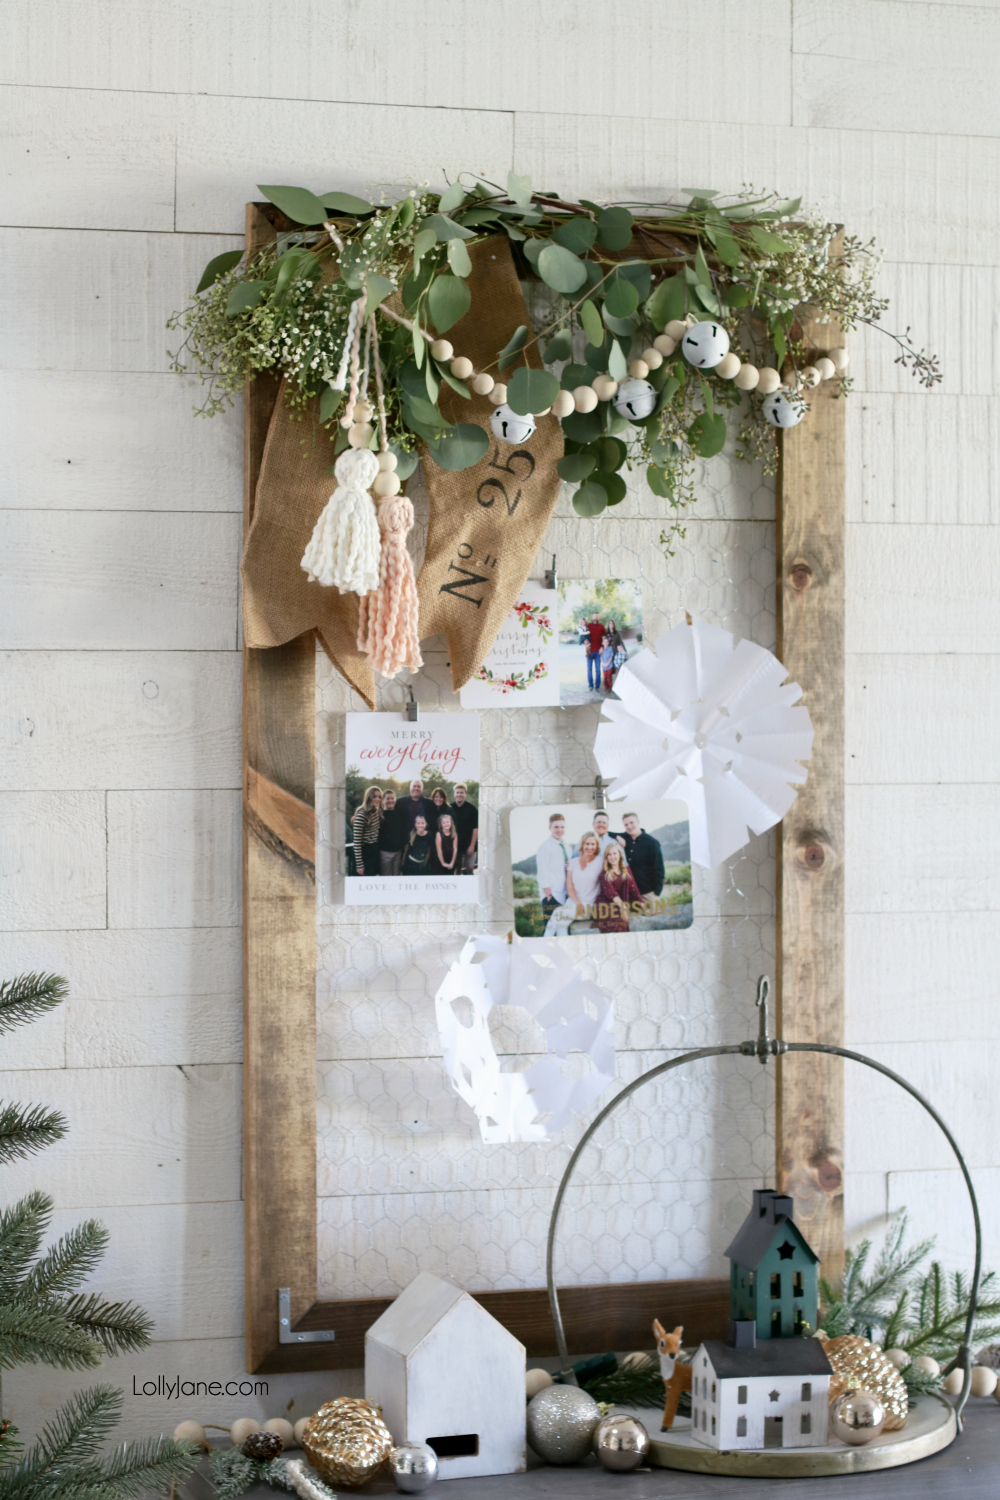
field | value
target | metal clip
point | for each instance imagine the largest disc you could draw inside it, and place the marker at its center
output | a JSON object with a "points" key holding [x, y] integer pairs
{"points": [[285, 1333], [412, 706], [600, 800], [551, 581]]}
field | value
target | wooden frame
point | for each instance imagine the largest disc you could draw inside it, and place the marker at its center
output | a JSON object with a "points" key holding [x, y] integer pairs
{"points": [[279, 1070]]}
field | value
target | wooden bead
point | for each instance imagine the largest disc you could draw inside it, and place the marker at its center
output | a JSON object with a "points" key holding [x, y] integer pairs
{"points": [[664, 344], [952, 1384], [387, 461], [927, 1365], [563, 404], [483, 384], [653, 358], [535, 1381], [604, 387], [747, 377], [282, 1429], [728, 367], [584, 398], [676, 329], [768, 380], [461, 367], [442, 350], [542, 413], [499, 393], [190, 1432], [898, 1357], [840, 358], [299, 1429], [984, 1381], [826, 367], [811, 376], [638, 369], [386, 484], [360, 435], [363, 411], [241, 1430]]}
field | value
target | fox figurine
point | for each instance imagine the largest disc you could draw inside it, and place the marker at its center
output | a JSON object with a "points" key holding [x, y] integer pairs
{"points": [[676, 1374]]}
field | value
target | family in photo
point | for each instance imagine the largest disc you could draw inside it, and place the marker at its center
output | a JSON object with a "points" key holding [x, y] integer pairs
{"points": [[408, 832], [600, 627], [599, 871]]}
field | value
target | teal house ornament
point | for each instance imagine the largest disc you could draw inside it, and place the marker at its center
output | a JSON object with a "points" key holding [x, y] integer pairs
{"points": [[773, 1271]]}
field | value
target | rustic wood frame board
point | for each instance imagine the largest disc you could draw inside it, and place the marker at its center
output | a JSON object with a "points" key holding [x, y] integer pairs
{"points": [[279, 944]]}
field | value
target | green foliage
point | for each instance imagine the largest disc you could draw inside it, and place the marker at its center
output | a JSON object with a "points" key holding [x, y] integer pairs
{"points": [[638, 1383], [233, 1473], [28, 997], [25, 1129], [531, 390]]}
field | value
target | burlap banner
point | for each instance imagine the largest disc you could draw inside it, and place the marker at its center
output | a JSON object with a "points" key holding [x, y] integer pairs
{"points": [[486, 523]]}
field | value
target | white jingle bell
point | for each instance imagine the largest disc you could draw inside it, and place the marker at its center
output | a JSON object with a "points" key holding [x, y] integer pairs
{"points": [[510, 427], [783, 409], [635, 399], [705, 345]]}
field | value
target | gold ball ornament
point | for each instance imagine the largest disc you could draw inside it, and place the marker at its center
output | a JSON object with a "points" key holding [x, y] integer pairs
{"points": [[859, 1366], [442, 350], [535, 1381], [563, 404], [857, 1417], [984, 1381], [483, 384], [747, 377], [461, 367], [347, 1442], [768, 380]]}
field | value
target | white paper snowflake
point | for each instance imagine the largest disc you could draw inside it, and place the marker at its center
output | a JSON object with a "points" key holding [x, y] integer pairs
{"points": [[576, 1016], [711, 723]]}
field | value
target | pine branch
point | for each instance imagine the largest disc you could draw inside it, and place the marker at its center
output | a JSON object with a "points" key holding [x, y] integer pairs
{"points": [[28, 1128], [43, 1335], [28, 997], [233, 1473], [22, 1229], [636, 1384], [69, 1261], [120, 1327], [72, 1440]]}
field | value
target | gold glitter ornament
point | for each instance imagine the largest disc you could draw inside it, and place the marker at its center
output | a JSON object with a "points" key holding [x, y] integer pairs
{"points": [[347, 1442], [859, 1366]]}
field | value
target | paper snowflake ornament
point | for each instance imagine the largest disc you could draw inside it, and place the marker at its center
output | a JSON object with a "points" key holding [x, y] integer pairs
{"points": [[576, 1016], [714, 724]]}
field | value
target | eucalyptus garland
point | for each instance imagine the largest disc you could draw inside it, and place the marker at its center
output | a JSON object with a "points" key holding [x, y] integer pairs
{"points": [[622, 279]]}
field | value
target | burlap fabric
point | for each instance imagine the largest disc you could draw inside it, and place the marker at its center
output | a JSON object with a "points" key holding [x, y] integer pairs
{"points": [[485, 528]]}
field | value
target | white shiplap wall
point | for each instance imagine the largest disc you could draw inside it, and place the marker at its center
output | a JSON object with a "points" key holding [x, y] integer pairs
{"points": [[133, 133]]}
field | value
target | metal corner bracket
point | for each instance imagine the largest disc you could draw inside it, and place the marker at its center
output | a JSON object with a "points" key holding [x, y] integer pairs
{"points": [[286, 1335]]}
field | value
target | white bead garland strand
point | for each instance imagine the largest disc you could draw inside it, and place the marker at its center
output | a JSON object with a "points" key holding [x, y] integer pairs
{"points": [[306, 1483]]}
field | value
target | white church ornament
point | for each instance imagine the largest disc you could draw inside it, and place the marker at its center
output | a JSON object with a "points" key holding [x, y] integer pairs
{"points": [[635, 399], [576, 1015], [705, 345], [711, 722], [783, 409], [510, 427]]}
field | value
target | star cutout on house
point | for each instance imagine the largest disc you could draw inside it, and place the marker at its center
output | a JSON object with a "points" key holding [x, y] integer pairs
{"points": [[773, 1396], [786, 1251]]}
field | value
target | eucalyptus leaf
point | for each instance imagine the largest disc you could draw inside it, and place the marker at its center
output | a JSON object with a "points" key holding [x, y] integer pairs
{"points": [[423, 240], [406, 211], [472, 217], [611, 454], [707, 435], [574, 375], [617, 363], [244, 295], [560, 347], [431, 382], [452, 197], [531, 391], [593, 327], [533, 249], [576, 466], [596, 356], [705, 194], [351, 267], [345, 203], [513, 347], [590, 499], [614, 228], [786, 206], [771, 244], [727, 250], [616, 422], [297, 204], [406, 462], [378, 288], [419, 345], [457, 385], [411, 378], [513, 233], [737, 296], [613, 486], [218, 266], [780, 344], [425, 411], [708, 299], [561, 270], [458, 258], [329, 401], [582, 426], [638, 274], [668, 302], [448, 300], [621, 298], [519, 189], [460, 448], [577, 234], [658, 481], [446, 229], [623, 327], [702, 274]]}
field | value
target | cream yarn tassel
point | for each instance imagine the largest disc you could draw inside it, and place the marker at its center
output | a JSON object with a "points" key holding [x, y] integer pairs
{"points": [[343, 551], [387, 623]]}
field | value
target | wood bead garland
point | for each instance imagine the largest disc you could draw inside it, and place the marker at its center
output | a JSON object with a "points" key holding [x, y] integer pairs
{"points": [[585, 398], [241, 1430]]}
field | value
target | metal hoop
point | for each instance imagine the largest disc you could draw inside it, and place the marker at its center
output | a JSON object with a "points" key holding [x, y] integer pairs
{"points": [[763, 1048]]}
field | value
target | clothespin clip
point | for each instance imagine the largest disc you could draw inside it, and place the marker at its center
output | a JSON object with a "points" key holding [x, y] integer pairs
{"points": [[412, 706], [551, 581], [600, 801]]}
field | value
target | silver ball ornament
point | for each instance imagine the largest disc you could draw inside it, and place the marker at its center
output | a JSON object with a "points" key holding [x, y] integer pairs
{"points": [[510, 427], [561, 1423], [856, 1417], [621, 1442], [413, 1467], [782, 409], [634, 399], [705, 345]]}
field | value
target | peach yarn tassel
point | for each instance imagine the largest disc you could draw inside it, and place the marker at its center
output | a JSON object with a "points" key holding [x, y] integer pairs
{"points": [[387, 623]]}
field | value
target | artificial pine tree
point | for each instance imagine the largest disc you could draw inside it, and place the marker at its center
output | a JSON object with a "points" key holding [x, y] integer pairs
{"points": [[45, 1319]]}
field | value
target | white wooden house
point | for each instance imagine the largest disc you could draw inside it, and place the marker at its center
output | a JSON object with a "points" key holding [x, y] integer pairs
{"points": [[775, 1395], [446, 1373]]}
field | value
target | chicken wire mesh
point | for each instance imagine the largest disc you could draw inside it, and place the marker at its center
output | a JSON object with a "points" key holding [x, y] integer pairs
{"points": [[405, 1183]]}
